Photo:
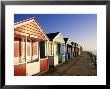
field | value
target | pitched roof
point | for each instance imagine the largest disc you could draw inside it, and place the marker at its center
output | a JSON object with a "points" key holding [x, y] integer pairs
{"points": [[69, 45], [29, 27], [72, 43], [65, 39], [51, 36]]}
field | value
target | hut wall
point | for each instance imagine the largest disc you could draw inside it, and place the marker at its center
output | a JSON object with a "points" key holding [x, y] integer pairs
{"points": [[55, 49], [33, 68], [51, 60], [56, 53], [28, 52], [63, 52], [55, 60], [43, 56], [19, 62], [17, 50], [34, 50], [20, 70], [59, 38], [50, 54], [43, 65], [33, 63], [50, 49]]}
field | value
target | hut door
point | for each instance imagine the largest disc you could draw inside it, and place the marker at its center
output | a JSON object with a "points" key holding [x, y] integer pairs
{"points": [[59, 48], [59, 53]]}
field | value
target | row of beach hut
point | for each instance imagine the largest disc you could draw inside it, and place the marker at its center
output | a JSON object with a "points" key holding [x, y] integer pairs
{"points": [[36, 52]]}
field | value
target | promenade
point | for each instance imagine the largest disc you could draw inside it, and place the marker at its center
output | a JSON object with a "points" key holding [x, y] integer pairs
{"points": [[80, 66]]}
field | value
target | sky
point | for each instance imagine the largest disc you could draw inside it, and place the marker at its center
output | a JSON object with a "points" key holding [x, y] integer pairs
{"points": [[79, 28]]}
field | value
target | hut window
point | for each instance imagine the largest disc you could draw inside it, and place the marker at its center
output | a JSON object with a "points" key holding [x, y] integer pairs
{"points": [[42, 49], [62, 48], [19, 51], [34, 46], [51, 49], [29, 50], [23, 50], [32, 51], [59, 48]]}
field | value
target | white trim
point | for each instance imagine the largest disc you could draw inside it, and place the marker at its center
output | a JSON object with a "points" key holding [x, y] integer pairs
{"points": [[28, 21], [42, 58], [20, 63], [26, 54], [40, 29], [38, 51], [33, 36], [58, 37]]}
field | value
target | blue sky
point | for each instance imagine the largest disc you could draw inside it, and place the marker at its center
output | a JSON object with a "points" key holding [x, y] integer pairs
{"points": [[80, 28]]}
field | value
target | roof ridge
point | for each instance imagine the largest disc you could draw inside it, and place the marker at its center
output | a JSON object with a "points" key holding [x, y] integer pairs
{"points": [[53, 32], [24, 20]]}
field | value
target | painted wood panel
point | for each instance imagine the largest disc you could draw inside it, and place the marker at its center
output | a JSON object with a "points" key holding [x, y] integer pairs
{"points": [[50, 48], [59, 38], [17, 47], [43, 65], [56, 60], [33, 68], [18, 51], [51, 60], [20, 70], [56, 53], [28, 51], [35, 48]]}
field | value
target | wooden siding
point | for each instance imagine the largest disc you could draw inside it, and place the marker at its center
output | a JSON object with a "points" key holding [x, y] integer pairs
{"points": [[59, 38], [34, 48], [43, 65], [33, 68], [51, 60], [55, 60], [75, 49], [20, 70], [17, 47], [50, 48], [28, 49]]}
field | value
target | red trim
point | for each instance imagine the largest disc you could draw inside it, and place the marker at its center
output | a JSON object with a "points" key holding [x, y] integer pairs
{"points": [[20, 70], [43, 65]]}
